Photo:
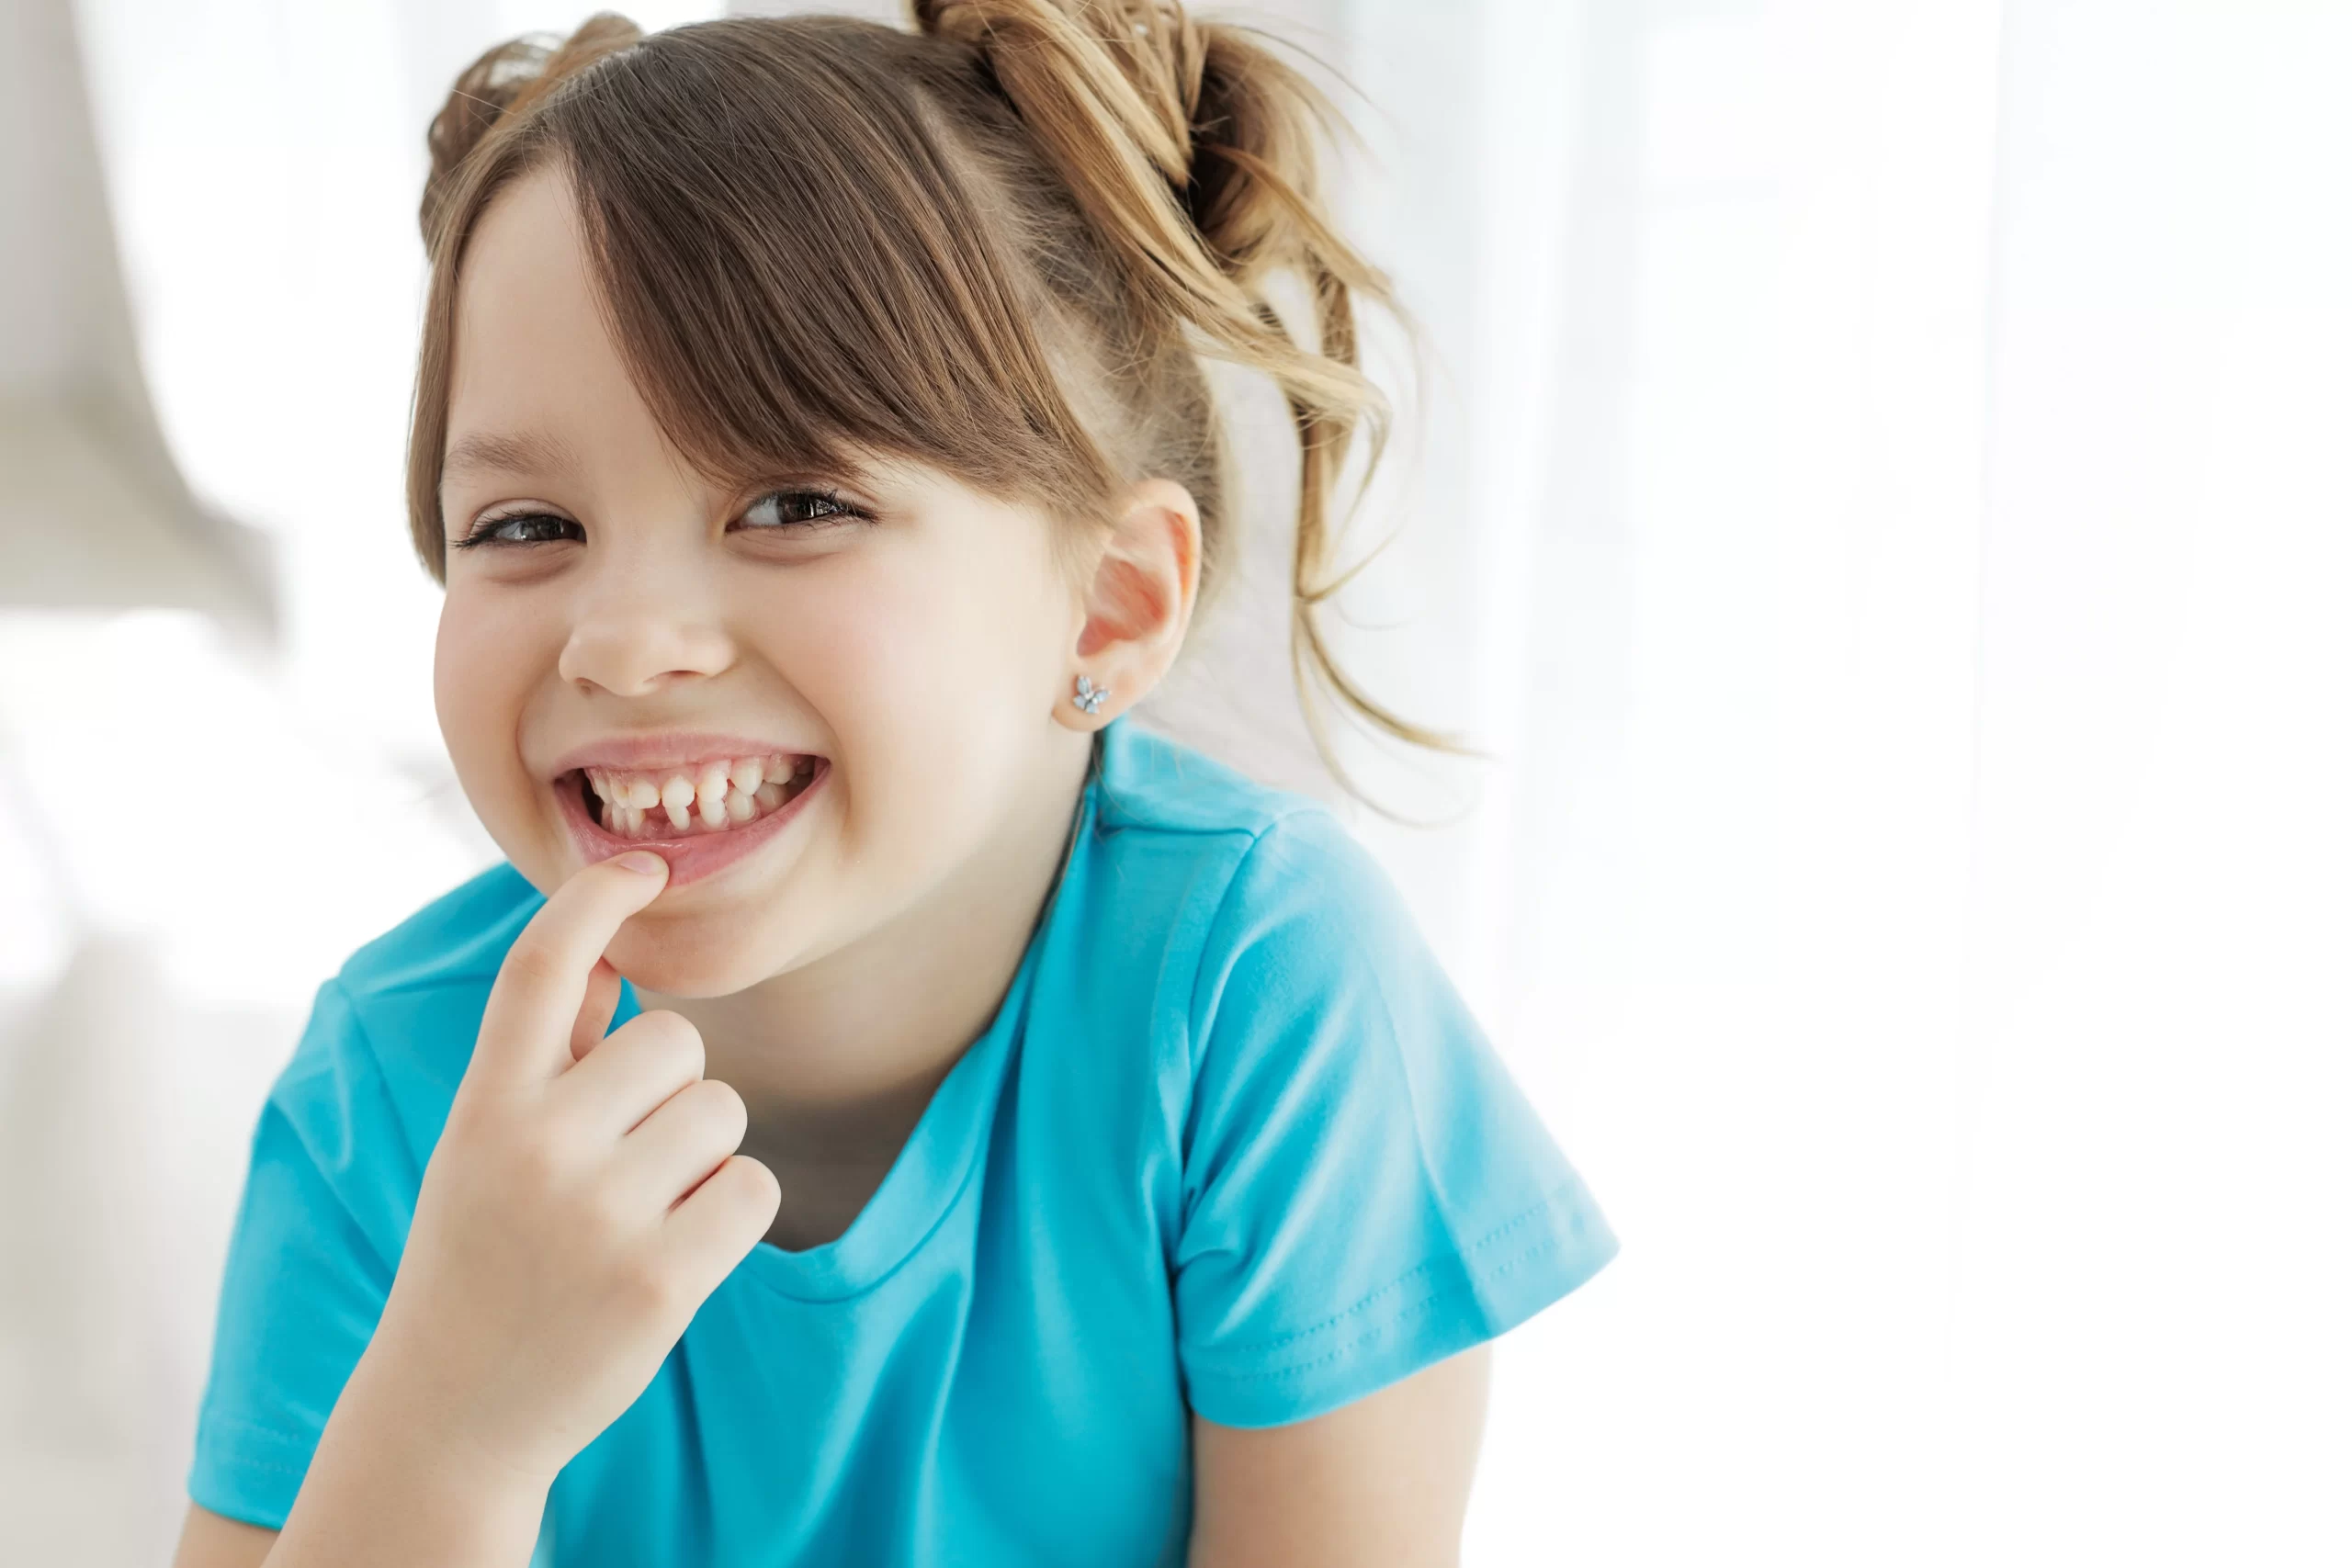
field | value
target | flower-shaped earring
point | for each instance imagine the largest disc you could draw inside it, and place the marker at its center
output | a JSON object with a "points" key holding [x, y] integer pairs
{"points": [[1089, 695]]}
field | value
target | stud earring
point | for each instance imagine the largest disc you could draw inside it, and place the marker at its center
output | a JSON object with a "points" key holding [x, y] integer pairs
{"points": [[1089, 695]]}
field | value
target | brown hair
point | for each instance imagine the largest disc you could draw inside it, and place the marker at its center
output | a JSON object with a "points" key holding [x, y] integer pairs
{"points": [[998, 244]]}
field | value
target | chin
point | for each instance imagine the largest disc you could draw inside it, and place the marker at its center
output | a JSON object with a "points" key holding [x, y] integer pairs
{"points": [[689, 958]]}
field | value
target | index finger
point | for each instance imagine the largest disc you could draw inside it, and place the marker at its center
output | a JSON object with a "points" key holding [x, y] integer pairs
{"points": [[527, 1026]]}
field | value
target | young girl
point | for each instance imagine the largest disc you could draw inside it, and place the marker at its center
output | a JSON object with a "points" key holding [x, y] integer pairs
{"points": [[1024, 1141]]}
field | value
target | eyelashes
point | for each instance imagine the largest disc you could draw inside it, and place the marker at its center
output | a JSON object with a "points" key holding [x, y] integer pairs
{"points": [[800, 508], [796, 510], [520, 528]]}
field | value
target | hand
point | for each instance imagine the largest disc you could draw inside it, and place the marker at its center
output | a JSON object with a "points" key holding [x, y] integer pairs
{"points": [[584, 1198]]}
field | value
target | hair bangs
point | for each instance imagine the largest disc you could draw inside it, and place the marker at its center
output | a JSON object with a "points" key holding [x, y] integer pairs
{"points": [[798, 273]]}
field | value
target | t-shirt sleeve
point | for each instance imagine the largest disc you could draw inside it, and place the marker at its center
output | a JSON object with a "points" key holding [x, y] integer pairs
{"points": [[305, 1282], [1366, 1191]]}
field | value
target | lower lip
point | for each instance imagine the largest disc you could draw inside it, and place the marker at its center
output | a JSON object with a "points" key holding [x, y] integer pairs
{"points": [[693, 856]]}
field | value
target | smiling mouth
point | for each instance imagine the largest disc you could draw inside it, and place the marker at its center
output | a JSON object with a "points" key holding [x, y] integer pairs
{"points": [[717, 797]]}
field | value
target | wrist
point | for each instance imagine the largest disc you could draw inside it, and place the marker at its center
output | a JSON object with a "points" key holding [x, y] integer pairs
{"points": [[388, 1486]]}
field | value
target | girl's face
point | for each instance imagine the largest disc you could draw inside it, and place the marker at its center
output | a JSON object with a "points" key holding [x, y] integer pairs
{"points": [[845, 686]]}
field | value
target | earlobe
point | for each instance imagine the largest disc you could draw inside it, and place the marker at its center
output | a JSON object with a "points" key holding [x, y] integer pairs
{"points": [[1138, 603]]}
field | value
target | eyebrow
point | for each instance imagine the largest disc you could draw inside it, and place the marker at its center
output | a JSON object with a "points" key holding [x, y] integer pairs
{"points": [[528, 453]]}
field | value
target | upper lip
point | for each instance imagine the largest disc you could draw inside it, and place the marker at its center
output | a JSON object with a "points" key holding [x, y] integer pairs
{"points": [[669, 750]]}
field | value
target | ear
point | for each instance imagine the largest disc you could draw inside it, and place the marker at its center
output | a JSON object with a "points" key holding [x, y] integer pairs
{"points": [[1138, 603]]}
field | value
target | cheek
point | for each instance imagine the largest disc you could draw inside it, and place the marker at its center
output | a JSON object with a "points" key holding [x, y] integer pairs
{"points": [[933, 667], [484, 669]]}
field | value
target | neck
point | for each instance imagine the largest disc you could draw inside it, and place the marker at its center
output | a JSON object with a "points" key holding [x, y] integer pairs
{"points": [[837, 1058]]}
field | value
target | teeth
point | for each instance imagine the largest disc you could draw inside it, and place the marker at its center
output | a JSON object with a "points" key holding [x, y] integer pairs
{"points": [[710, 793], [723, 794], [678, 800]]}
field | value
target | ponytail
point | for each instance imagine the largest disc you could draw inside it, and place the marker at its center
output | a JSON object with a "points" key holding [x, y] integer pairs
{"points": [[1191, 150]]}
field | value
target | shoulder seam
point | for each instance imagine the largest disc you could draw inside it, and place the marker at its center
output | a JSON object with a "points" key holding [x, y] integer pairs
{"points": [[1225, 895], [1193, 1034]]}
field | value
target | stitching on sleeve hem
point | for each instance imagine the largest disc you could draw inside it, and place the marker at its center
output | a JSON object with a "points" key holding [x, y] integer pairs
{"points": [[1389, 1326], [255, 1429], [1550, 1202], [236, 1461]]}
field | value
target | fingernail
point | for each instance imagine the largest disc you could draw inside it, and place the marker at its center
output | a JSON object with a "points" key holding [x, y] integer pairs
{"points": [[643, 862]]}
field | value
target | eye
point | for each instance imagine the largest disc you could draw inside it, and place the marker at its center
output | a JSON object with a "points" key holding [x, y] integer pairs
{"points": [[522, 528], [793, 510]]}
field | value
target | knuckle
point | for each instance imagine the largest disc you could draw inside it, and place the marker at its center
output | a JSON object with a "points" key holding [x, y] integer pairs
{"points": [[699, 1126], [676, 1037], [747, 1193], [721, 1108], [532, 959], [763, 1192]]}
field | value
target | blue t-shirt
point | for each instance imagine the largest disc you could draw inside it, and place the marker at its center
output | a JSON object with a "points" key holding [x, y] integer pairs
{"points": [[1232, 1144]]}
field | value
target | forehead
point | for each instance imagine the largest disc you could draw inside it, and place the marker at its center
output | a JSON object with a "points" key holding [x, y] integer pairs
{"points": [[536, 379]]}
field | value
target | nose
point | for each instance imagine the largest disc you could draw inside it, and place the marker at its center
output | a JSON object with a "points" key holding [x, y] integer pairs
{"points": [[636, 629]]}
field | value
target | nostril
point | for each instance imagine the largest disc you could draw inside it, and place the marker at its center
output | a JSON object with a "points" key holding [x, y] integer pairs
{"points": [[636, 651]]}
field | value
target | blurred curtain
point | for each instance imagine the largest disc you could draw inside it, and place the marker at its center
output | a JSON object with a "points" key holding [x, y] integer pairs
{"points": [[1878, 497], [92, 510], [1884, 504]]}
